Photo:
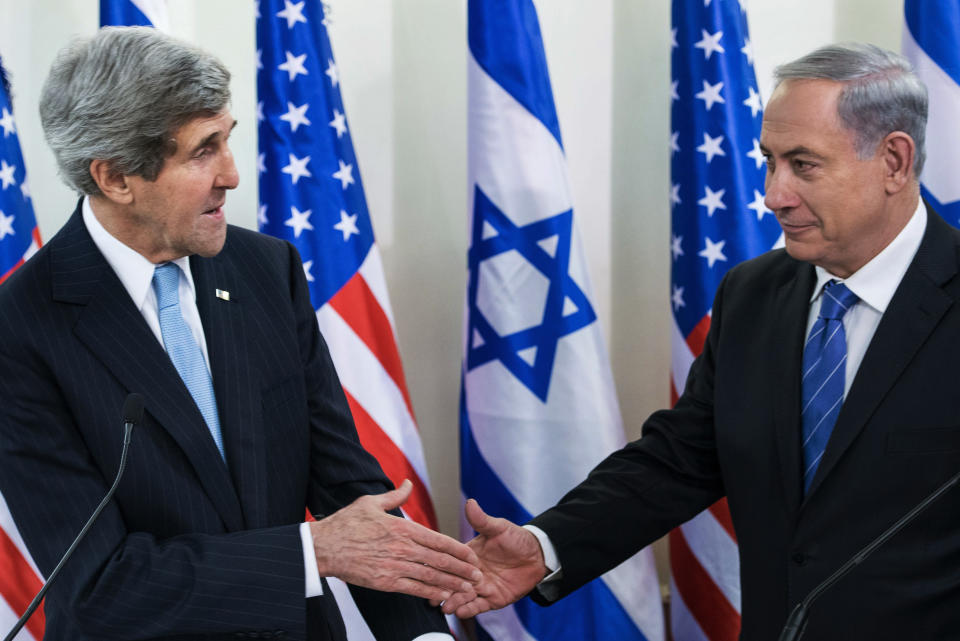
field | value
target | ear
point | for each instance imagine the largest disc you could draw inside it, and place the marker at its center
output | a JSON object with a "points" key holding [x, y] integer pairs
{"points": [[111, 182], [899, 152]]}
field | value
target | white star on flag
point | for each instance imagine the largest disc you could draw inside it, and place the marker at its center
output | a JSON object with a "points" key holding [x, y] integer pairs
{"points": [[6, 225], [711, 94], [293, 13], [713, 251], [758, 205], [675, 195], [256, 9], [260, 115], [344, 174], [299, 221], [710, 43], [332, 72], [25, 189], [675, 247], [347, 225], [7, 123], [261, 162], [294, 65], [677, 298], [6, 174], [673, 90], [296, 116], [674, 145], [747, 50], [297, 168], [262, 215], [753, 102], [673, 38], [713, 200], [757, 154], [307, 266], [339, 122], [259, 59], [711, 147]]}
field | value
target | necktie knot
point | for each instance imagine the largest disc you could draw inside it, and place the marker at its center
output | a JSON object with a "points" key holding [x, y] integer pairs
{"points": [[166, 283], [836, 300]]}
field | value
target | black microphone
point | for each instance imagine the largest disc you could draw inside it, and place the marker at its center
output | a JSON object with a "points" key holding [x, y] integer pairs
{"points": [[132, 414], [797, 621]]}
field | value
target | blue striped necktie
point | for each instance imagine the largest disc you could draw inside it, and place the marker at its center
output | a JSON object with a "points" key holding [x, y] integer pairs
{"points": [[183, 349], [824, 365]]}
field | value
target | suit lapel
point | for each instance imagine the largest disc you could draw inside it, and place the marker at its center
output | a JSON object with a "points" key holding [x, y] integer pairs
{"points": [[113, 329], [234, 381], [913, 313], [792, 303]]}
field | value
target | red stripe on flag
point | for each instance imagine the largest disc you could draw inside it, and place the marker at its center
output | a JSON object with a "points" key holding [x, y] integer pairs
{"points": [[19, 583], [36, 239], [717, 618], [360, 309], [394, 463], [721, 512], [698, 335]]}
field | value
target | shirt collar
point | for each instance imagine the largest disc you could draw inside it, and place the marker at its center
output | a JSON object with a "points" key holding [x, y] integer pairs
{"points": [[132, 268], [876, 282]]}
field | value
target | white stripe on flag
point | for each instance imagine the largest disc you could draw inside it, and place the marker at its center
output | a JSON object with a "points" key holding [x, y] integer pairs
{"points": [[716, 552], [362, 375], [505, 624], [682, 623], [646, 613], [8, 619], [7, 525], [940, 171], [681, 356], [372, 272]]}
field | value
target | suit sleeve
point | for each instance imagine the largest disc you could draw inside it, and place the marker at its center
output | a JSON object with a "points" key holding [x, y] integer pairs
{"points": [[341, 470], [639, 493]]}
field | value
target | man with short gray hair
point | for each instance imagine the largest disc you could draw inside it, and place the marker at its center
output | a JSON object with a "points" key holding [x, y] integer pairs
{"points": [[146, 289], [824, 405]]}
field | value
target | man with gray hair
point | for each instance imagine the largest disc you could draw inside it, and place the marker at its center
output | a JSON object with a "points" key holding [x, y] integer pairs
{"points": [[146, 289], [824, 405]]}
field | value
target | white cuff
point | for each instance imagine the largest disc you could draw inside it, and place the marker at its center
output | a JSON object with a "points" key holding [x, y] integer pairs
{"points": [[434, 636], [549, 553], [310, 570]]}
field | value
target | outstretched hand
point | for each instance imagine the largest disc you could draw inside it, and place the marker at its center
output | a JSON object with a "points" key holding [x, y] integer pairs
{"points": [[363, 545], [510, 558]]}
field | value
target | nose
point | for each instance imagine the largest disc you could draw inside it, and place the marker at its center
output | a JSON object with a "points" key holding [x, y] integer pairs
{"points": [[228, 177], [780, 193]]}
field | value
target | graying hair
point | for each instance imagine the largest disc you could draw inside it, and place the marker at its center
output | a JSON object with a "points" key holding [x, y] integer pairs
{"points": [[120, 96], [881, 93]]}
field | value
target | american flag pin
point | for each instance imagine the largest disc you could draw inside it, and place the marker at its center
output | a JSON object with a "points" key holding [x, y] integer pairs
{"points": [[223, 294]]}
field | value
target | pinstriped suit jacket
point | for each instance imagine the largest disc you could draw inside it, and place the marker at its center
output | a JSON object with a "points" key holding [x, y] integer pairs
{"points": [[189, 548]]}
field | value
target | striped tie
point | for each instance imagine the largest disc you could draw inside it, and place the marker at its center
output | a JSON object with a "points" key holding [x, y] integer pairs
{"points": [[183, 349], [824, 365]]}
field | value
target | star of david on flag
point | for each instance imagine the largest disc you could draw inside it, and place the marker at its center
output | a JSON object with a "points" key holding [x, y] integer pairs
{"points": [[931, 41], [718, 219], [311, 194], [529, 352], [537, 408]]}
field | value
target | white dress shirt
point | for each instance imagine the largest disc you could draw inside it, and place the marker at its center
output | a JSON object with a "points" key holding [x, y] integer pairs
{"points": [[874, 284]]}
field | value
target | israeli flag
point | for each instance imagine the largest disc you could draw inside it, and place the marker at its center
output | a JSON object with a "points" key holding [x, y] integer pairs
{"points": [[145, 13], [538, 409], [931, 41]]}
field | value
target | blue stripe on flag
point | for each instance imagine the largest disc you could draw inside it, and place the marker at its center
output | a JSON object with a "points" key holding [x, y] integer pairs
{"points": [[592, 607], [122, 13], [935, 25], [505, 40], [950, 212]]}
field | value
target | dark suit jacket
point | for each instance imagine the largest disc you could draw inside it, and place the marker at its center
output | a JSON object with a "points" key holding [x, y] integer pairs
{"points": [[736, 432], [189, 548]]}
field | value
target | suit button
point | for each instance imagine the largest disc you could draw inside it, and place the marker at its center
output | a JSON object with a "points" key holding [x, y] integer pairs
{"points": [[799, 558]]}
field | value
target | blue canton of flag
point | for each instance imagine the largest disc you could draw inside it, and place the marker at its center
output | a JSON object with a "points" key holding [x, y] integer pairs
{"points": [[19, 237], [310, 187], [718, 220], [931, 41], [538, 409], [145, 13]]}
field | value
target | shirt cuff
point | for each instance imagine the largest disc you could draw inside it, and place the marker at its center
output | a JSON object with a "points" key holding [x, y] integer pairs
{"points": [[313, 585], [434, 636], [550, 558]]}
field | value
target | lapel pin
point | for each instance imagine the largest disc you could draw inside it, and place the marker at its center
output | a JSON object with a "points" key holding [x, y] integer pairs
{"points": [[223, 294]]}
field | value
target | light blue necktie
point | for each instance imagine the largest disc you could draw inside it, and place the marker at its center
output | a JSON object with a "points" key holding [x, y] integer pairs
{"points": [[183, 349], [824, 365]]}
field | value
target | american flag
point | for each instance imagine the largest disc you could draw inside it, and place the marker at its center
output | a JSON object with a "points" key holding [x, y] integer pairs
{"points": [[19, 239], [931, 41], [718, 219], [145, 13], [311, 194]]}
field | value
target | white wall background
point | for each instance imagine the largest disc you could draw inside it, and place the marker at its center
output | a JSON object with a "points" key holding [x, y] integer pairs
{"points": [[403, 66]]}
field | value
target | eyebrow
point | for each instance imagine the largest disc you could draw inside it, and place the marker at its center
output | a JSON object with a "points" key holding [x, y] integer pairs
{"points": [[799, 150], [209, 139]]}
